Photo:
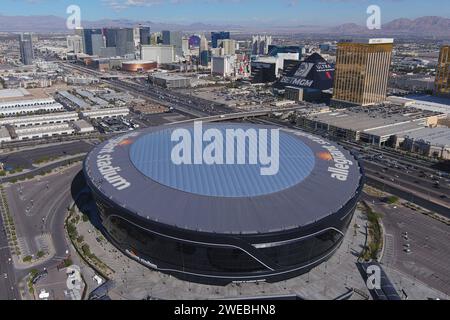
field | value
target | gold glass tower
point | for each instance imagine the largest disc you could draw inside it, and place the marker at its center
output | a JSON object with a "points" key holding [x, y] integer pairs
{"points": [[362, 71], [442, 84]]}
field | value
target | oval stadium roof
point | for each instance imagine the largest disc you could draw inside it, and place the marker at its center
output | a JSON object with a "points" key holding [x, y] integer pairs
{"points": [[315, 178]]}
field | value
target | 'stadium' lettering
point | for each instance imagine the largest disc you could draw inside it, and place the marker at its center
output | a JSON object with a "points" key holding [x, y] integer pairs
{"points": [[105, 165], [110, 173]]}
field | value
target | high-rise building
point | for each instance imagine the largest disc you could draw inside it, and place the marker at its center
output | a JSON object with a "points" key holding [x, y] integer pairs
{"points": [[223, 66], [26, 48], [442, 84], [156, 38], [98, 42], [88, 44], [144, 35], [362, 71], [160, 53], [173, 38], [205, 56], [203, 43], [120, 38], [185, 46], [274, 50], [74, 44], [260, 44], [216, 36], [228, 45]]}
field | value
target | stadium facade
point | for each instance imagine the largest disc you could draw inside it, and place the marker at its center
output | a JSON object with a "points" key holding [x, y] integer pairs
{"points": [[221, 223]]}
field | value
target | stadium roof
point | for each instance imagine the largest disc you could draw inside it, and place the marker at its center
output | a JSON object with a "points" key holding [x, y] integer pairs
{"points": [[224, 198]]}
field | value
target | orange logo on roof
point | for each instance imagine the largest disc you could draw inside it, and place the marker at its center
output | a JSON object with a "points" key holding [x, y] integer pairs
{"points": [[126, 142], [324, 156]]}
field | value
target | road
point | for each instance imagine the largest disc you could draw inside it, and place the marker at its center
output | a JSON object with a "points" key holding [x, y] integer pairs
{"points": [[410, 179], [391, 171], [25, 159], [428, 239], [184, 103], [8, 285], [39, 207]]}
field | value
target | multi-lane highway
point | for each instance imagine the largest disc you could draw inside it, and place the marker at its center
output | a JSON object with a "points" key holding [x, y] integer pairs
{"points": [[8, 284], [28, 158], [184, 103], [395, 173]]}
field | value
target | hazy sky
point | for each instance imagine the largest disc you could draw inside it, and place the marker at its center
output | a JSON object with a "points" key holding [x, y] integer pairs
{"points": [[274, 12]]}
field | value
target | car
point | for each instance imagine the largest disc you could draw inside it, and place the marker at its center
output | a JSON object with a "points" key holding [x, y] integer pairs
{"points": [[407, 245], [5, 276], [407, 250]]}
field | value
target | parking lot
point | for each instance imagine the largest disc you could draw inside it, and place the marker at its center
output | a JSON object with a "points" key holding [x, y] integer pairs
{"points": [[234, 97], [416, 245], [55, 284], [116, 124]]}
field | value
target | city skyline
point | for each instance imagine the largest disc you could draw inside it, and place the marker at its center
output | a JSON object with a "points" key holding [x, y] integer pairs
{"points": [[238, 12]]}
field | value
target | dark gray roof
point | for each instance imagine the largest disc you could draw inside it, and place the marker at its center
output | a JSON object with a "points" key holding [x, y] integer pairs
{"points": [[220, 198]]}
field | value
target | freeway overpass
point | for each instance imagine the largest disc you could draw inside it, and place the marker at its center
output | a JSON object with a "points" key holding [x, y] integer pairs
{"points": [[237, 115]]}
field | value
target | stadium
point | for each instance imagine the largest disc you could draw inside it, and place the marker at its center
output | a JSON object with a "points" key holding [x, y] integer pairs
{"points": [[217, 221]]}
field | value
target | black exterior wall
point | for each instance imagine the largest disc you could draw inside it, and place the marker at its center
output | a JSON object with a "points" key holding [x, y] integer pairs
{"points": [[219, 259]]}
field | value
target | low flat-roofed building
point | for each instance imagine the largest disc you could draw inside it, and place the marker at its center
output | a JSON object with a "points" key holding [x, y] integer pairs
{"points": [[168, 80], [82, 126], [72, 101], [293, 93], [430, 142], [405, 102], [4, 135], [29, 106], [431, 103], [91, 97], [43, 131], [376, 125], [23, 121], [13, 93], [105, 113]]}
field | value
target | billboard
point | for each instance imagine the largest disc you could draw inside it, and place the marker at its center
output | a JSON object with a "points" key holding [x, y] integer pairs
{"points": [[194, 42], [313, 73]]}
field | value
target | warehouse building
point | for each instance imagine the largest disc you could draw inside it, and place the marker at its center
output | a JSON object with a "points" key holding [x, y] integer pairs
{"points": [[430, 142], [29, 106], [4, 135], [43, 131], [376, 125], [105, 113], [82, 126], [170, 81], [71, 101], [49, 118]]}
